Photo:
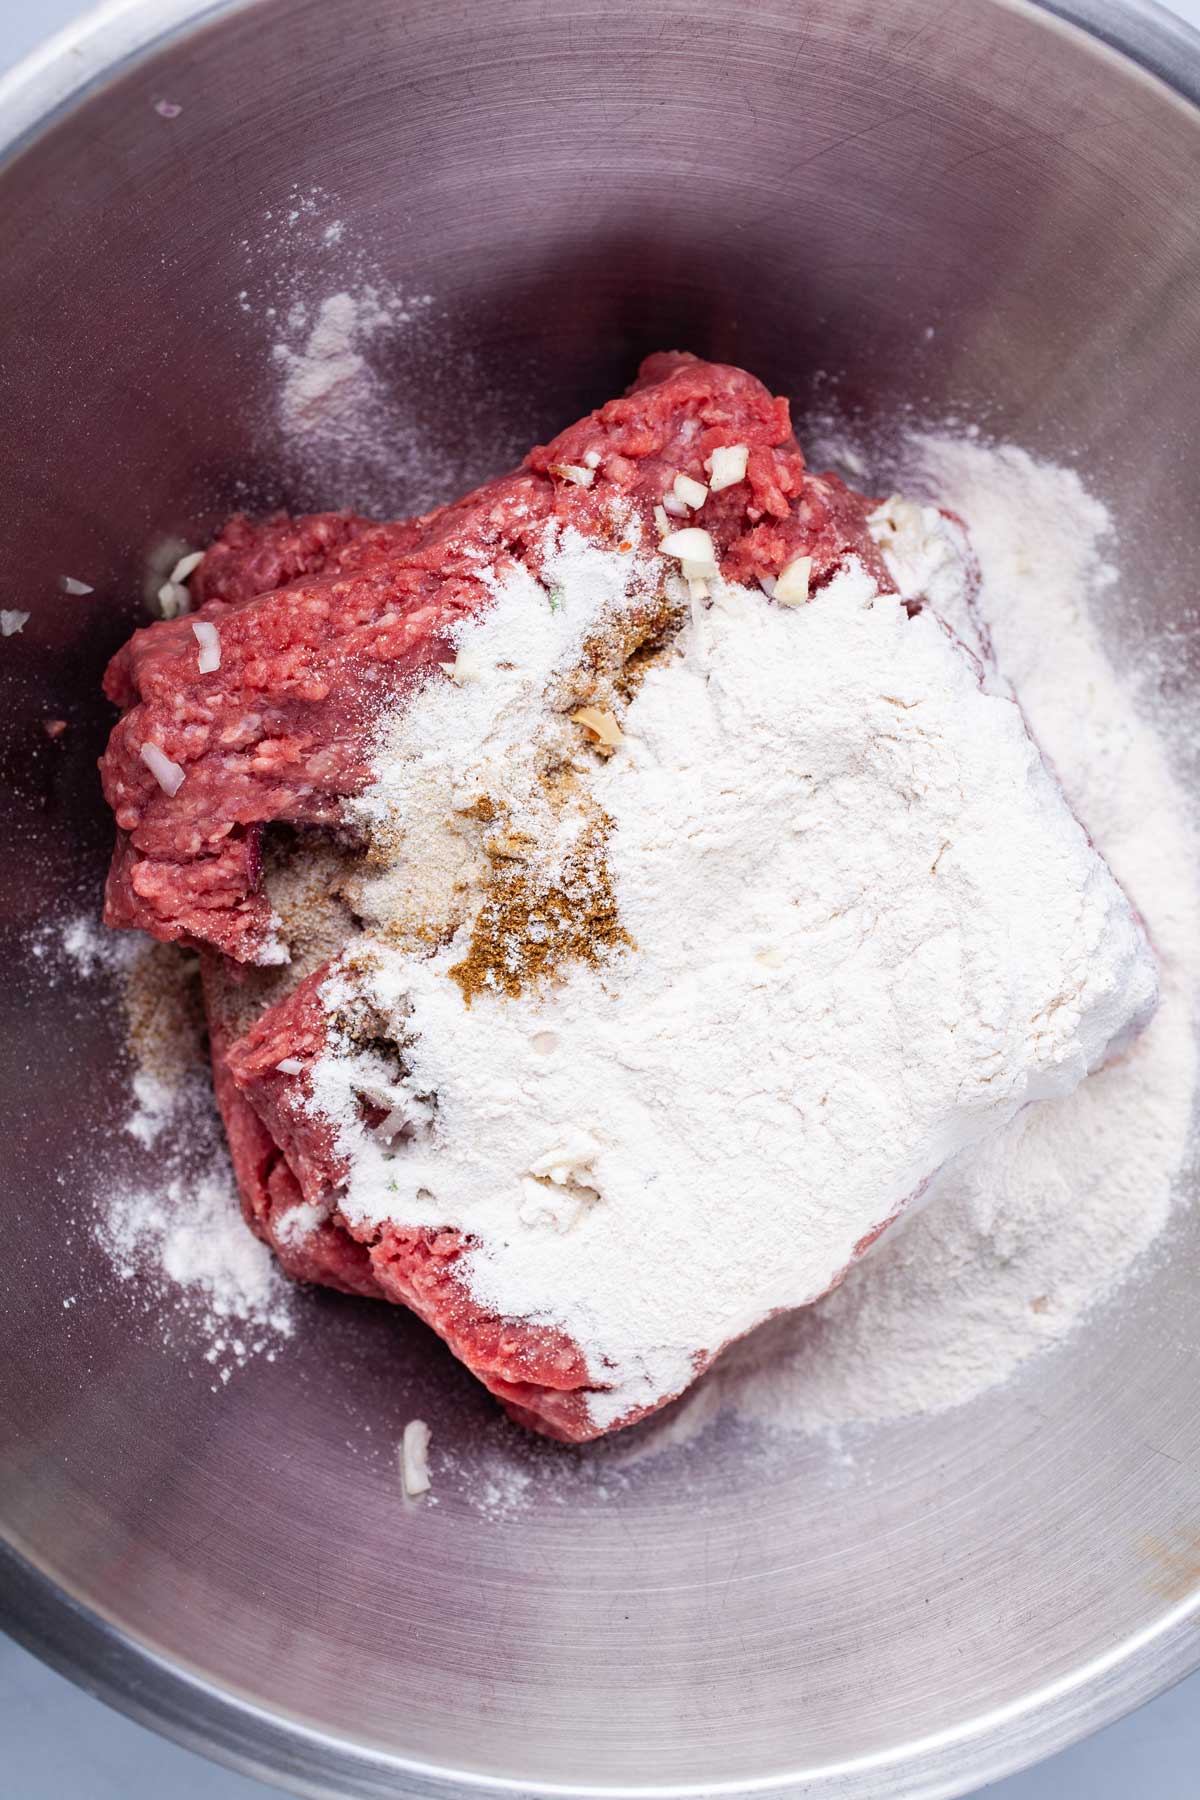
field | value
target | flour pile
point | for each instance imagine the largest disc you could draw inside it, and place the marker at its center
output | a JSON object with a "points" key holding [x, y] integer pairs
{"points": [[183, 1236], [862, 931], [328, 385], [1022, 1235]]}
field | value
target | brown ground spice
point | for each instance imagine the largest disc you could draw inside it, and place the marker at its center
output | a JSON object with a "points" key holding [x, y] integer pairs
{"points": [[531, 924], [528, 927]]}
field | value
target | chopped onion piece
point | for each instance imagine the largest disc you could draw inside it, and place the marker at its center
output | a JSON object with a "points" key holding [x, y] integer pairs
{"points": [[173, 596], [169, 775], [674, 505], [767, 584], [186, 566], [662, 521], [69, 585], [573, 472], [173, 599], [592, 460], [209, 640], [692, 493], [464, 668], [12, 622], [601, 724], [692, 546], [791, 585], [291, 1065], [697, 587], [727, 466], [414, 1458]]}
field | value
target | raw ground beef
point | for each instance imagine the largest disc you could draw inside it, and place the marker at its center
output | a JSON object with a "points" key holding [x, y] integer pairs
{"points": [[323, 620]]}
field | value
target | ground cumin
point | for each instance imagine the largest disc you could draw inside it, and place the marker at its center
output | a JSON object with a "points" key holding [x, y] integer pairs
{"points": [[532, 920], [614, 661], [529, 926], [517, 862]]}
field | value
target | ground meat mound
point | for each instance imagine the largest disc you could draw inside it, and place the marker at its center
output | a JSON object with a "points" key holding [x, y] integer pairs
{"points": [[323, 620]]}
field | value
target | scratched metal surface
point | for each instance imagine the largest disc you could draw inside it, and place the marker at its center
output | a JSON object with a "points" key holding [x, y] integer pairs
{"points": [[805, 192]]}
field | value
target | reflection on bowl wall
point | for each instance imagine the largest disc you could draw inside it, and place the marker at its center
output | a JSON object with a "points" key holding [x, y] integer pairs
{"points": [[981, 211]]}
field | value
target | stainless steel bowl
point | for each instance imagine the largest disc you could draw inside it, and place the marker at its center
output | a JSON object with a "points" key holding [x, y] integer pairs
{"points": [[799, 188]]}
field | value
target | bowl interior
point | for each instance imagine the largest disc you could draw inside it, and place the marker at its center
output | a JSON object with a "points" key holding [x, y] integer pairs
{"points": [[988, 215]]}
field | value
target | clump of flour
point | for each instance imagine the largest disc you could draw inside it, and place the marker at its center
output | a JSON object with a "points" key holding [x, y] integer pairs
{"points": [[182, 1237], [364, 391], [1023, 1234]]}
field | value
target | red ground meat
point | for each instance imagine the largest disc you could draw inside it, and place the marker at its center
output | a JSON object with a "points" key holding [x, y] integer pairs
{"points": [[322, 621], [268, 1184], [284, 1157], [281, 730]]}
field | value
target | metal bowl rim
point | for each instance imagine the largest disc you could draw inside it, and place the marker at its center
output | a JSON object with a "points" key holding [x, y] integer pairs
{"points": [[183, 1704]]}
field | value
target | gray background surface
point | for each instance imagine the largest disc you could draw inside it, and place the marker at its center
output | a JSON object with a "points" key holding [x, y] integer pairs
{"points": [[57, 1743]]}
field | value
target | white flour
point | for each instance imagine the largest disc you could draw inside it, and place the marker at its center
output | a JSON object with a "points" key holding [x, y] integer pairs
{"points": [[361, 394], [867, 931], [153, 1107], [345, 427], [329, 388], [89, 947], [1021, 1236], [167, 1213], [184, 1233]]}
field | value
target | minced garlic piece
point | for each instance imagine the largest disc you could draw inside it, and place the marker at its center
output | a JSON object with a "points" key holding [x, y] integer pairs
{"points": [[414, 1458]]}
